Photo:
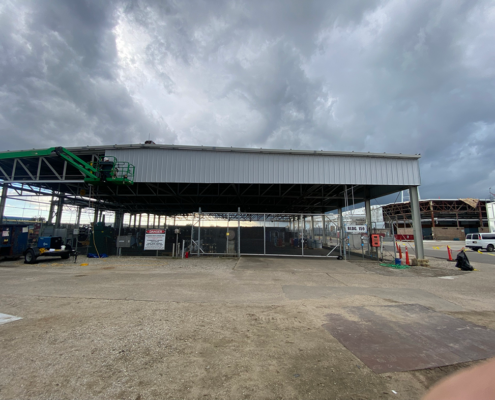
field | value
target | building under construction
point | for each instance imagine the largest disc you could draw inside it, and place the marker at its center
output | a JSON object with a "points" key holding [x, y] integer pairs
{"points": [[441, 219]]}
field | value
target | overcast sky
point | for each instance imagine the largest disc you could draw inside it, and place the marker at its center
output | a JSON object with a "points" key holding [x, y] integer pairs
{"points": [[391, 76]]}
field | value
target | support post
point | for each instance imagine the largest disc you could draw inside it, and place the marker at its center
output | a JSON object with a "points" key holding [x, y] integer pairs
{"points": [[58, 217], [50, 212], [302, 234], [227, 235], [3, 200], [481, 215], [342, 240], [120, 219], [239, 231], [369, 222], [324, 230], [140, 216], [199, 230], [78, 218], [416, 221], [432, 214], [95, 218], [312, 228], [264, 234]]}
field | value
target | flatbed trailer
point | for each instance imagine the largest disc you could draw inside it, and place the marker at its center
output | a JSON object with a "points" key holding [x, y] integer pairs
{"points": [[48, 247]]}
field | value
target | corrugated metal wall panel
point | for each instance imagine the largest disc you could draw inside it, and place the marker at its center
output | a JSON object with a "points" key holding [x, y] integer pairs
{"points": [[167, 165]]}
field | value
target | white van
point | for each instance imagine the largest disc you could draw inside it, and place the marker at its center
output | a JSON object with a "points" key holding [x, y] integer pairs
{"points": [[478, 241]]}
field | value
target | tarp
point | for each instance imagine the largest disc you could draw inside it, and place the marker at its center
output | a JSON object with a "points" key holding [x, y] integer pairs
{"points": [[471, 202]]}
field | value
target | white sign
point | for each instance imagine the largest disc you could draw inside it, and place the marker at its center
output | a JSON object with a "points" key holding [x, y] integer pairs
{"points": [[490, 212], [356, 229], [154, 239]]}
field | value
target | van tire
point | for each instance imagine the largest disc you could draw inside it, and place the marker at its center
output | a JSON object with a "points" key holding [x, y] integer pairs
{"points": [[489, 248]]}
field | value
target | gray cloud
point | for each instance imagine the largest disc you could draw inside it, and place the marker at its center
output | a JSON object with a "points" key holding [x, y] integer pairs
{"points": [[384, 76]]}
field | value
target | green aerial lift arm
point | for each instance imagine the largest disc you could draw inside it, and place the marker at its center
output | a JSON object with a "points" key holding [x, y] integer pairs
{"points": [[92, 174], [87, 169], [27, 153]]}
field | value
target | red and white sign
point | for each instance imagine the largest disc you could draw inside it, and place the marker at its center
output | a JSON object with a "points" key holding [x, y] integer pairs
{"points": [[155, 239], [404, 238], [155, 232]]}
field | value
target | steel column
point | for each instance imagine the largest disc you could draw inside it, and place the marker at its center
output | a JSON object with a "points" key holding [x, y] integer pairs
{"points": [[239, 231], [369, 222], [302, 234], [199, 230], [78, 218], [58, 217], [342, 241], [3, 200], [312, 228], [95, 217], [324, 230], [50, 212], [416, 221], [264, 233]]}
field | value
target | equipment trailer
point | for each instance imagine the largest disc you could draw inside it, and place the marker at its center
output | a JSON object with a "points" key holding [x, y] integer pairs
{"points": [[48, 247]]}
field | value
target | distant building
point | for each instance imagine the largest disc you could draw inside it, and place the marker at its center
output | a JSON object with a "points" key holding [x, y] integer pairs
{"points": [[441, 219]]}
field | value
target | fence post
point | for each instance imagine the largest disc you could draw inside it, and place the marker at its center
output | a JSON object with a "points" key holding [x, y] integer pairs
{"points": [[302, 234], [342, 241], [199, 230], [239, 231], [324, 230], [227, 235], [264, 234]]}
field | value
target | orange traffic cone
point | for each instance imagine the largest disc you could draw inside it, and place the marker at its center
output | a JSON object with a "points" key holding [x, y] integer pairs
{"points": [[407, 257], [449, 251], [400, 252]]}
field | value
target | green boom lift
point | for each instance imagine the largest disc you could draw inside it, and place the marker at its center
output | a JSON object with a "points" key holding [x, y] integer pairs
{"points": [[106, 169]]}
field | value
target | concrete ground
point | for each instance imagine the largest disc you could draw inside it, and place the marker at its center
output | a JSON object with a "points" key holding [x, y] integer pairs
{"points": [[147, 328]]}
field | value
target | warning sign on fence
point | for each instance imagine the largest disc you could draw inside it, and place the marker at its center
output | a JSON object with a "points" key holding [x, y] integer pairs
{"points": [[155, 239]]}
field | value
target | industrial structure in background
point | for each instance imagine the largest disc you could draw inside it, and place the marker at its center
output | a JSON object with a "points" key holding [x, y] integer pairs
{"points": [[229, 200], [441, 219]]}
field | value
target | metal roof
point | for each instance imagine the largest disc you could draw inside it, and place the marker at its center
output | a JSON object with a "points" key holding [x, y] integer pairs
{"points": [[171, 180], [155, 163], [101, 149]]}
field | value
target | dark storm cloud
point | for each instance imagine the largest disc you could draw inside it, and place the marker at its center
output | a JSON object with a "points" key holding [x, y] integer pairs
{"points": [[58, 83], [381, 76]]}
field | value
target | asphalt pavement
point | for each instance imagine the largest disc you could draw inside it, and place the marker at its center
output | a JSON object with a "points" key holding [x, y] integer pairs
{"points": [[438, 249]]}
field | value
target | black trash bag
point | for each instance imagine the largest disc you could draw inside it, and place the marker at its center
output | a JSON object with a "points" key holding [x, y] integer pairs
{"points": [[463, 262]]}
